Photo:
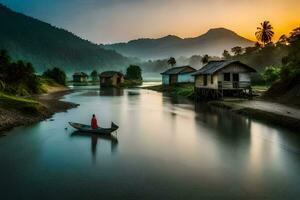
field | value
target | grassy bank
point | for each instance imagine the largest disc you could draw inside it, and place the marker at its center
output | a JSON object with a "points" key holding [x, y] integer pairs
{"points": [[132, 83], [25, 105], [25, 110], [183, 90]]}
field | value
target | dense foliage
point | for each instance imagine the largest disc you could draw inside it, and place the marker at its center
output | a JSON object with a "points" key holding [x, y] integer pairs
{"points": [[133, 72], [94, 75], [271, 74], [17, 77], [56, 74]]}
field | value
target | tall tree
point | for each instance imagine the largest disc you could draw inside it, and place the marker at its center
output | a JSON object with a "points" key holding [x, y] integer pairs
{"points": [[94, 75], [4, 58], [265, 32], [56, 74], [172, 61], [205, 59], [237, 50], [226, 54], [134, 72]]}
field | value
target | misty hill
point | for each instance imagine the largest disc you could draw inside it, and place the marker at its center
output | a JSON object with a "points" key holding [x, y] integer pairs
{"points": [[212, 43], [47, 46]]}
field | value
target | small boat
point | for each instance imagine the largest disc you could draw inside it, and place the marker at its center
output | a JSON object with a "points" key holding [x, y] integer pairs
{"points": [[99, 130]]}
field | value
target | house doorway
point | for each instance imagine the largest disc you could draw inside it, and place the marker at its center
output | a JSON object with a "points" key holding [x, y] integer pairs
{"points": [[118, 80], [173, 79], [236, 80]]}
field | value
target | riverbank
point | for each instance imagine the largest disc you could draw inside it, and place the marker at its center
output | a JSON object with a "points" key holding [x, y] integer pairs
{"points": [[260, 108], [18, 111], [273, 112]]}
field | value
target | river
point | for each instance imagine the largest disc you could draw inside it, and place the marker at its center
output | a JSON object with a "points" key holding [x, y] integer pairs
{"points": [[165, 148]]}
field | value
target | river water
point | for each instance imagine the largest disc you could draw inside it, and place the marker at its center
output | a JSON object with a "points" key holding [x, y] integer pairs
{"points": [[165, 148]]}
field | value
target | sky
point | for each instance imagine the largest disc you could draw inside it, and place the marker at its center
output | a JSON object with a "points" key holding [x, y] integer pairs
{"points": [[111, 21]]}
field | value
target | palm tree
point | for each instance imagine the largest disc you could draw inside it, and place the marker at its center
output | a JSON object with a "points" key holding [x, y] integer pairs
{"points": [[94, 75], [171, 61], [265, 32], [205, 59]]}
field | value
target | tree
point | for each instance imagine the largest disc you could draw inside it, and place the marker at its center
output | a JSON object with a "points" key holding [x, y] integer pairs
{"points": [[226, 54], [57, 75], [264, 33], [237, 50], [172, 61], [291, 67], [271, 74], [283, 40], [205, 59], [258, 45], [94, 75], [133, 72], [4, 58]]}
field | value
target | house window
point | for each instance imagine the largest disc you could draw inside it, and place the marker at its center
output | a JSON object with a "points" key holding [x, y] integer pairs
{"points": [[204, 79], [211, 79], [226, 76]]}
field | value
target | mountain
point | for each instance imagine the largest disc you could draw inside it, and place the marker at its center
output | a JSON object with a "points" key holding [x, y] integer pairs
{"points": [[212, 43], [47, 46]]}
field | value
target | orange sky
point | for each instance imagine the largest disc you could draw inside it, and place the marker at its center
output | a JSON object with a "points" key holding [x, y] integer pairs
{"points": [[110, 21]]}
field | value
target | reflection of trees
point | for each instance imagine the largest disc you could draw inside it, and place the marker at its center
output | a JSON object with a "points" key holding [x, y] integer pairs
{"points": [[229, 126], [110, 91]]}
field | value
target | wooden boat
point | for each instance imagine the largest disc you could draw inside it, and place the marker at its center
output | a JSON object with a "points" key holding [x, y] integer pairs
{"points": [[88, 128]]}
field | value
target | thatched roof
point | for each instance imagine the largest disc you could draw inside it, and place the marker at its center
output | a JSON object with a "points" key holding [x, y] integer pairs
{"points": [[80, 74], [108, 74], [214, 66], [179, 70]]}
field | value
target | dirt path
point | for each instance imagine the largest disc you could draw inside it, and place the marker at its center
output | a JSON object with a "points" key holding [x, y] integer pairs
{"points": [[271, 107], [276, 113]]}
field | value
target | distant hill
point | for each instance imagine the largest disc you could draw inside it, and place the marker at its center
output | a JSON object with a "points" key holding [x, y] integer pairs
{"points": [[212, 43], [47, 46]]}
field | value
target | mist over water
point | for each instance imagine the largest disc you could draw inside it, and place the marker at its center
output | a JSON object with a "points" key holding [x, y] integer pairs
{"points": [[165, 148]]}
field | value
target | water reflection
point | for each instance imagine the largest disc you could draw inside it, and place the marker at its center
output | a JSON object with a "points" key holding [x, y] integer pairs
{"points": [[95, 140], [111, 91]]}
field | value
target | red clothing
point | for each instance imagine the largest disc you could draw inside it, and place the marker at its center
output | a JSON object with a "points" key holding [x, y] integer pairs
{"points": [[94, 124]]}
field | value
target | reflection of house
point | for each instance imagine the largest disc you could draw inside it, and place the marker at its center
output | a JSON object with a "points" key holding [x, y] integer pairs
{"points": [[111, 78], [219, 78], [80, 77], [178, 75]]}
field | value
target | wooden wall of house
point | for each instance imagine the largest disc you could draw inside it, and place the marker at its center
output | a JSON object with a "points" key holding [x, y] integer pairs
{"points": [[199, 81], [165, 79], [185, 78], [115, 79]]}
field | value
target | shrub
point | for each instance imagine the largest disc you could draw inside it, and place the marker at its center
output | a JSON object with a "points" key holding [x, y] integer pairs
{"points": [[133, 72], [271, 74], [57, 75]]}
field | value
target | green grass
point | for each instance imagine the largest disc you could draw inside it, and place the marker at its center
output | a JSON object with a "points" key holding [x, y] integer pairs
{"points": [[184, 90], [132, 83], [19, 103]]}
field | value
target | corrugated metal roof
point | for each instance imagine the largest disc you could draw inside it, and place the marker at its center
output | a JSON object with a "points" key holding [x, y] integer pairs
{"points": [[178, 70], [110, 73], [214, 66]]}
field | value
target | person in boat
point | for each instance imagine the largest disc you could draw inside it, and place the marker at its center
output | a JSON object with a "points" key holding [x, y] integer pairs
{"points": [[94, 123]]}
